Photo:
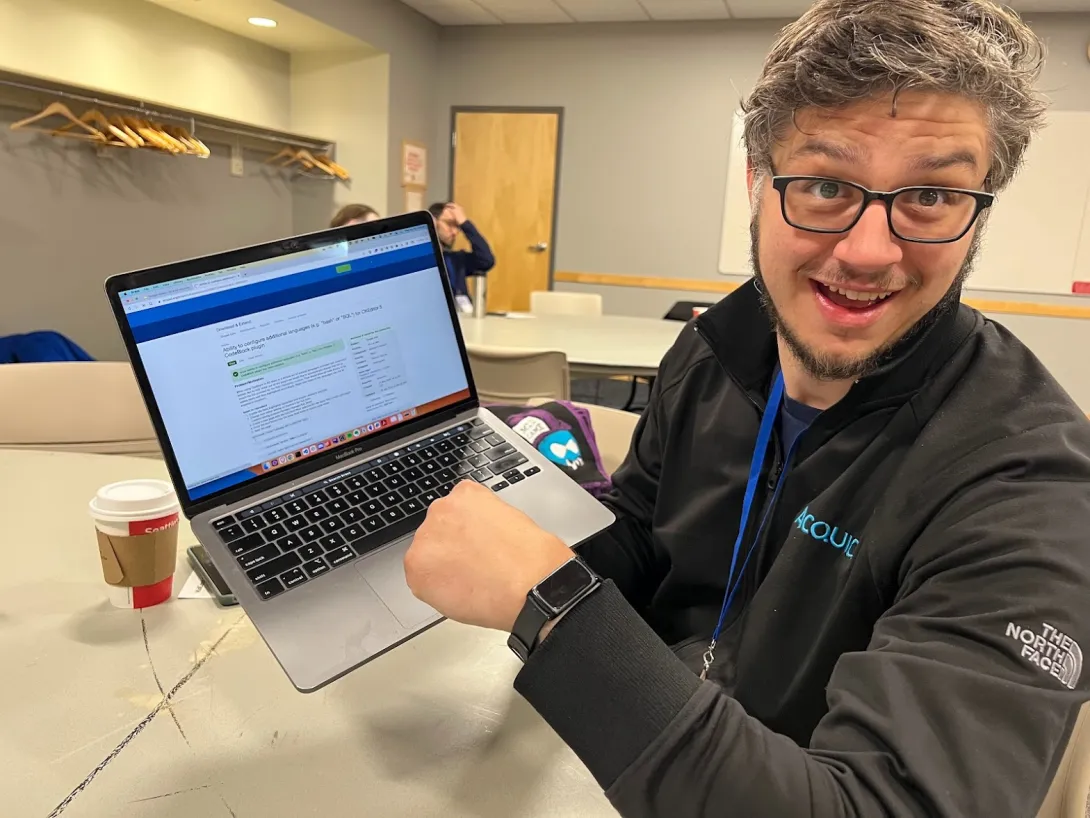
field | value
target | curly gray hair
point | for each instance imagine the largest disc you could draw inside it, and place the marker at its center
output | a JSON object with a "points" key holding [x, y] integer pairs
{"points": [[842, 51]]}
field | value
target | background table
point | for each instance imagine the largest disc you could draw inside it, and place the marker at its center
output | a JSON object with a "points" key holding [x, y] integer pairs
{"points": [[596, 346], [431, 728]]}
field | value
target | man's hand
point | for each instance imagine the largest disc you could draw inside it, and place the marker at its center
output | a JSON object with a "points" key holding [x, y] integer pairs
{"points": [[457, 213], [475, 558]]}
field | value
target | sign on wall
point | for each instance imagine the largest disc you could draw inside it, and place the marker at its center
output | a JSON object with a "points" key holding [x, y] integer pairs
{"points": [[414, 164]]}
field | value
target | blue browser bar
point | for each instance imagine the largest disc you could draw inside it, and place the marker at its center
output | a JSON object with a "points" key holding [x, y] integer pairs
{"points": [[225, 305]]}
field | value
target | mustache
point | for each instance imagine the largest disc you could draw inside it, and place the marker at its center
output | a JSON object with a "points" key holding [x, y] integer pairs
{"points": [[840, 276]]}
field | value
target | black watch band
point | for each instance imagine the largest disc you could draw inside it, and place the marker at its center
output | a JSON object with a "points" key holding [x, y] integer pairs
{"points": [[549, 599]]}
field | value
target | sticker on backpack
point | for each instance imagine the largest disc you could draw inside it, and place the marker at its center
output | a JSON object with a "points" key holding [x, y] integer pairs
{"points": [[562, 448]]}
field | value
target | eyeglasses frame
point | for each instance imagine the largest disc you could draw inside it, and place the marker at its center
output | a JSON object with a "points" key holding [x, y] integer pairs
{"points": [[983, 201]]}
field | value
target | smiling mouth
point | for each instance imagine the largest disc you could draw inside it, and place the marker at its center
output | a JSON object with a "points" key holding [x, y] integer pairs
{"points": [[857, 300]]}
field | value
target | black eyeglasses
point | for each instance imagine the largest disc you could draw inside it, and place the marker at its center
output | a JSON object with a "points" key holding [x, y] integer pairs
{"points": [[929, 215]]}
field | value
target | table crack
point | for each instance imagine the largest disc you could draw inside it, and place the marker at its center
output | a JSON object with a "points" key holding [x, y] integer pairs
{"points": [[142, 725], [159, 684]]}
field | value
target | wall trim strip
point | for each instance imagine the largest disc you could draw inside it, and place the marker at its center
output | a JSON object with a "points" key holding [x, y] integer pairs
{"points": [[696, 285]]}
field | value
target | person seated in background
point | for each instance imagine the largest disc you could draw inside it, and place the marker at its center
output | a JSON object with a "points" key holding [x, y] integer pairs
{"points": [[450, 219], [40, 347], [354, 214]]}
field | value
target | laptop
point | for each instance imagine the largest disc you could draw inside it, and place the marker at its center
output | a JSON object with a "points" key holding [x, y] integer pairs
{"points": [[313, 398]]}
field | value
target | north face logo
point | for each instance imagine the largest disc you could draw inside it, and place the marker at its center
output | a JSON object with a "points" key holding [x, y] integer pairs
{"points": [[1053, 651], [826, 532]]}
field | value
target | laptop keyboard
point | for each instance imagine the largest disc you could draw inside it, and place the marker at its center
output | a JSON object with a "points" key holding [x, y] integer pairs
{"points": [[284, 542]]}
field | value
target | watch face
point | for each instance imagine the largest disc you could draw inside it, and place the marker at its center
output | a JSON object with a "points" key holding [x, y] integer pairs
{"points": [[564, 585]]}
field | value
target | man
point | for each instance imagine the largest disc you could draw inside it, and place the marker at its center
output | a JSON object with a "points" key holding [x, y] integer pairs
{"points": [[354, 214], [858, 507], [450, 219]]}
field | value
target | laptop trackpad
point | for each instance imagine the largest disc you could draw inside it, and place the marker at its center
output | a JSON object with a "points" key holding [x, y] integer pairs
{"points": [[385, 573]]}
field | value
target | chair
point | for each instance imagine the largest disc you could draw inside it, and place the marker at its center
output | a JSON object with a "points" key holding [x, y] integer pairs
{"points": [[1069, 795], [551, 302], [85, 406], [683, 310], [613, 429], [518, 375]]}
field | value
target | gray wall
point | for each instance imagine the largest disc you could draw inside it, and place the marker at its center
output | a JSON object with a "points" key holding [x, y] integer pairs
{"points": [[69, 219], [646, 127], [412, 41], [647, 123]]}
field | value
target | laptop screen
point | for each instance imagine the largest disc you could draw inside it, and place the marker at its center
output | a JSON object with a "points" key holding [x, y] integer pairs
{"points": [[260, 365]]}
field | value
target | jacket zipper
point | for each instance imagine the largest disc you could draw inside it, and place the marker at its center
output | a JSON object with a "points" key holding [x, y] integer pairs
{"points": [[778, 465]]}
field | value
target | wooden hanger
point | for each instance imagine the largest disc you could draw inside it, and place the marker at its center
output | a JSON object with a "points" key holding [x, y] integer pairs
{"points": [[175, 145], [301, 156], [202, 149], [192, 145], [309, 161], [338, 170], [114, 135], [60, 109], [285, 157], [119, 122], [152, 137], [175, 134]]}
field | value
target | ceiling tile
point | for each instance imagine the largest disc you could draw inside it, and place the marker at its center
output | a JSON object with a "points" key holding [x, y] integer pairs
{"points": [[1049, 5], [767, 8], [604, 11], [454, 12], [686, 9], [527, 11]]}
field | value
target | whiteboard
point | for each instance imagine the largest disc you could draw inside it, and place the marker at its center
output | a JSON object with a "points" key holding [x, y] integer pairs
{"points": [[1038, 233], [734, 244]]}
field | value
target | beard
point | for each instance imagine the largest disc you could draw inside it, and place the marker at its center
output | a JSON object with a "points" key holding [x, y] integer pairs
{"points": [[826, 367]]}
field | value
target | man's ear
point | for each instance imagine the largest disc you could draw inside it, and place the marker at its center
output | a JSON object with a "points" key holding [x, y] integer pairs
{"points": [[751, 175]]}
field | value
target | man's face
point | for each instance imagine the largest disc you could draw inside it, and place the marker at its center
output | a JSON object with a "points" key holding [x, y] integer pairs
{"points": [[447, 228], [935, 140]]}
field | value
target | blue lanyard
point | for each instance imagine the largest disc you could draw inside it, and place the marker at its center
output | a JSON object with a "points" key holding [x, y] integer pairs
{"points": [[760, 450]]}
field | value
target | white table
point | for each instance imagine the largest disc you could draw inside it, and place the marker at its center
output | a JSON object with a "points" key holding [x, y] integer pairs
{"points": [[432, 728], [596, 346]]}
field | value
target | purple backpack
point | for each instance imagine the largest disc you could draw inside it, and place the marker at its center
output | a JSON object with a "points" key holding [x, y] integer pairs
{"points": [[562, 433]]}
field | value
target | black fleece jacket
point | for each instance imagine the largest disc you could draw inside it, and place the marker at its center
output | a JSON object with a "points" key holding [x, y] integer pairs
{"points": [[933, 668]]}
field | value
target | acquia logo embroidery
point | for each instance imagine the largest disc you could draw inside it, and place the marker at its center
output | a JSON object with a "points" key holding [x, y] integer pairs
{"points": [[1051, 650], [826, 532]]}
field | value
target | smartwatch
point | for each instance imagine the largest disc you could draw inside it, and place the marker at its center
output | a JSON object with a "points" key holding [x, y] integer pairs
{"points": [[547, 600]]}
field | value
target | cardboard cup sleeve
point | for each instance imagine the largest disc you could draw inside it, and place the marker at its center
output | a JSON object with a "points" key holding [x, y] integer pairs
{"points": [[144, 559]]}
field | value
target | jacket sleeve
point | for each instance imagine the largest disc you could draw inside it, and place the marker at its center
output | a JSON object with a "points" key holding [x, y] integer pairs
{"points": [[479, 258], [961, 705]]}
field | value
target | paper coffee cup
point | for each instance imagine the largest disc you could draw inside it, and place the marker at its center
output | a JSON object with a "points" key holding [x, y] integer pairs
{"points": [[136, 522]]}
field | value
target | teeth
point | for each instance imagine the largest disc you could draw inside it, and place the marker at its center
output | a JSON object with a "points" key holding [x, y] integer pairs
{"points": [[856, 295]]}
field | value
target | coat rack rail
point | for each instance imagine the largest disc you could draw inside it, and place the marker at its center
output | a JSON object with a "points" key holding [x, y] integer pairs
{"points": [[210, 127]]}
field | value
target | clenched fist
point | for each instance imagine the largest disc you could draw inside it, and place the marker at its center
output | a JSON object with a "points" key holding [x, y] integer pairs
{"points": [[475, 558]]}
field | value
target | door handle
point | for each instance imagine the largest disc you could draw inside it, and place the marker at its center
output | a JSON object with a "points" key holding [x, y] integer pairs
{"points": [[540, 247]]}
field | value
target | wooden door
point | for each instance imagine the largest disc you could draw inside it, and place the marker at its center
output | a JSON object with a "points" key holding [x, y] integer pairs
{"points": [[504, 175]]}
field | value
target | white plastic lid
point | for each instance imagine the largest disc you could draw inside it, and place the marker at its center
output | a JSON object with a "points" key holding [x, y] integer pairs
{"points": [[134, 499]]}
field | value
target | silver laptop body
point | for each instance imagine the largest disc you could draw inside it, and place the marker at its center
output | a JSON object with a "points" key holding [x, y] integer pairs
{"points": [[313, 397]]}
